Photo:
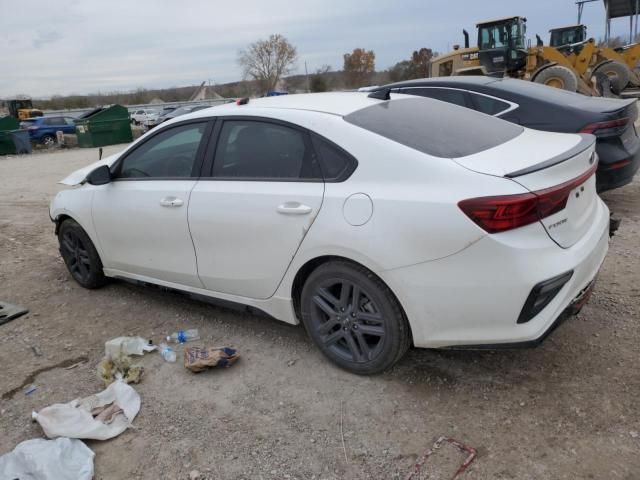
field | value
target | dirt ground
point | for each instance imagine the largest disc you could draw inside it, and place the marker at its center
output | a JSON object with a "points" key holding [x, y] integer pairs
{"points": [[566, 410]]}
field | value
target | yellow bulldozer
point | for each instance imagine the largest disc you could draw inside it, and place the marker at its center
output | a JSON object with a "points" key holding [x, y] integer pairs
{"points": [[502, 50], [620, 65]]}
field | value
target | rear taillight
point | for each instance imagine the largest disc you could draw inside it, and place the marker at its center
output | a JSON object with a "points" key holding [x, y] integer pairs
{"points": [[606, 129], [616, 165], [506, 212]]}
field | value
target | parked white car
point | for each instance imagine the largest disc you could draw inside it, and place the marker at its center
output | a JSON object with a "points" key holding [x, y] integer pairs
{"points": [[143, 115], [376, 223]]}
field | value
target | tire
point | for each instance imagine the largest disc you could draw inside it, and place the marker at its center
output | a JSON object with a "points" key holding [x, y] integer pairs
{"points": [[80, 256], [353, 318], [603, 85], [618, 73], [559, 77], [48, 140]]}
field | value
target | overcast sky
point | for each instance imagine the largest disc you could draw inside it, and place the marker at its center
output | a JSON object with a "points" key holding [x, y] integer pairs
{"points": [[90, 46]]}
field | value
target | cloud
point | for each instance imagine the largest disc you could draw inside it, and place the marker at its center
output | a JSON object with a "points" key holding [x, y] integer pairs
{"points": [[121, 45], [43, 38]]}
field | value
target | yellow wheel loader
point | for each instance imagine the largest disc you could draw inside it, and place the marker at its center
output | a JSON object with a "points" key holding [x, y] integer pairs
{"points": [[20, 108], [502, 51], [619, 65]]}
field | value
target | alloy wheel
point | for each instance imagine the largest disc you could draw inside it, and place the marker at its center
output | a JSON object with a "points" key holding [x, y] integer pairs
{"points": [[76, 255], [347, 321]]}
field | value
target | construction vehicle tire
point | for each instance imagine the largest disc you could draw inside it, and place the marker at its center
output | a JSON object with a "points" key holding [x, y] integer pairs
{"points": [[603, 85], [559, 77], [618, 73]]}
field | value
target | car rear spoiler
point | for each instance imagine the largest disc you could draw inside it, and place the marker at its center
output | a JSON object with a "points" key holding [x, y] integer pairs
{"points": [[585, 143]]}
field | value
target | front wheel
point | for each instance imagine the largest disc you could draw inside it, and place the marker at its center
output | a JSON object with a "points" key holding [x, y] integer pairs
{"points": [[80, 256], [558, 76], [48, 140], [353, 318]]}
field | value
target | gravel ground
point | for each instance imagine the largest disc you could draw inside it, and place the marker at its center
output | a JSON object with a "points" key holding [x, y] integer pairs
{"points": [[568, 409]]}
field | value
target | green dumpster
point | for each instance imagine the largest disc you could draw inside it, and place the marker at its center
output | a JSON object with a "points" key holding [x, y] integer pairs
{"points": [[7, 126], [107, 125]]}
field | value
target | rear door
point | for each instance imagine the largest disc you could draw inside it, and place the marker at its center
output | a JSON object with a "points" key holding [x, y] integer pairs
{"points": [[249, 217]]}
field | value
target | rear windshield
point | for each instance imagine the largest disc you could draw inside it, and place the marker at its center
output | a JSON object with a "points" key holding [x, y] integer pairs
{"points": [[434, 127]]}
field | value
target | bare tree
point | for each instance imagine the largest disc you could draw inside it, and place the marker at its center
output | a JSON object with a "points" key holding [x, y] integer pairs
{"points": [[266, 61]]}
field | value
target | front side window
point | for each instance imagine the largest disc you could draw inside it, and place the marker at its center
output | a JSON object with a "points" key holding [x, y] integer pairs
{"points": [[169, 154], [262, 150]]}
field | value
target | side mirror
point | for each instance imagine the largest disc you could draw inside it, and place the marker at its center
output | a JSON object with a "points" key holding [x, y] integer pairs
{"points": [[99, 176]]}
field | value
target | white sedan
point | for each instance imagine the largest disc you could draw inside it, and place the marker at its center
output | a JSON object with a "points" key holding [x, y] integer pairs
{"points": [[377, 222]]}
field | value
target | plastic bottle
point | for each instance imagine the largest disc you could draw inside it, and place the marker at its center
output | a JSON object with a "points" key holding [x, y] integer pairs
{"points": [[167, 353], [182, 336]]}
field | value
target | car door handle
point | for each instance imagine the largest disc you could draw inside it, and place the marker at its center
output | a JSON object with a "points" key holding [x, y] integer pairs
{"points": [[294, 208], [171, 202]]}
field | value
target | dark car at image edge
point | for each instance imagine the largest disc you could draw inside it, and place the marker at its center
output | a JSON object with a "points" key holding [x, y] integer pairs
{"points": [[546, 108]]}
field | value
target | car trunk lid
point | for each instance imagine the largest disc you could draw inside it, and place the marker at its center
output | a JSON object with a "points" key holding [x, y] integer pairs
{"points": [[558, 168]]}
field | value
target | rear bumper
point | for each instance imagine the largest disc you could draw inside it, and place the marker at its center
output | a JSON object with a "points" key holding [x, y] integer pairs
{"points": [[475, 297], [572, 310], [617, 168]]}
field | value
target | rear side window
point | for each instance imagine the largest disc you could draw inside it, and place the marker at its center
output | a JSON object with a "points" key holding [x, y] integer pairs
{"points": [[434, 128], [336, 164], [263, 151], [53, 121], [488, 105], [457, 97]]}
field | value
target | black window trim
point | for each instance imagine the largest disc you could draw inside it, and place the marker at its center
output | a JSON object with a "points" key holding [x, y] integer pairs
{"points": [[512, 105], [197, 164], [210, 153]]}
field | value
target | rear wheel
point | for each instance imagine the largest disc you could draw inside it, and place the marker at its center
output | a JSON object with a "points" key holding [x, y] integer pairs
{"points": [[618, 73], [353, 318], [558, 76], [48, 140], [80, 256]]}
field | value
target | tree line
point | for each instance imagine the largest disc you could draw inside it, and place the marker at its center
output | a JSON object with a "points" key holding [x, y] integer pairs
{"points": [[267, 66]]}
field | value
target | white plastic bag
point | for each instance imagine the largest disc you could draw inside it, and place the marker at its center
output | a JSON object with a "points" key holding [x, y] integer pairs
{"points": [[75, 420], [127, 346], [40, 459]]}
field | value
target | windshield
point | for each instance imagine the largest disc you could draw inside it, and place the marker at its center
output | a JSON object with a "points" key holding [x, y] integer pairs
{"points": [[566, 37], [498, 35]]}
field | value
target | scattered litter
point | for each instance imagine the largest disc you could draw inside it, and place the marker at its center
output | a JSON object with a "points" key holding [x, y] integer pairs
{"points": [[197, 359], [634, 434], [471, 455], [291, 363], [111, 369], [167, 353], [30, 389], [10, 312], [127, 346], [36, 351], [40, 459], [183, 336], [71, 367], [99, 417]]}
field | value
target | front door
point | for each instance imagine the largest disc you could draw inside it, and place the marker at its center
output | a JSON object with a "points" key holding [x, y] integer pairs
{"points": [[141, 216]]}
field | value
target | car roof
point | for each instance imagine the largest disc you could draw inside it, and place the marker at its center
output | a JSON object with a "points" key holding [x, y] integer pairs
{"points": [[335, 103], [458, 80]]}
